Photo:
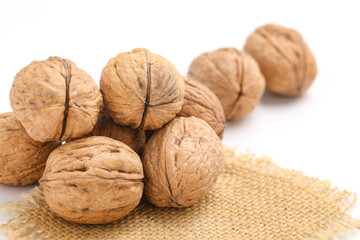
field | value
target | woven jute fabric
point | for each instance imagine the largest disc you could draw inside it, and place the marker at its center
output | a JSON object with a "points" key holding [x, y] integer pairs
{"points": [[252, 199]]}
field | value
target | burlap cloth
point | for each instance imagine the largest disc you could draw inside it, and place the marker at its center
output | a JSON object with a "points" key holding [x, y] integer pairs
{"points": [[252, 199]]}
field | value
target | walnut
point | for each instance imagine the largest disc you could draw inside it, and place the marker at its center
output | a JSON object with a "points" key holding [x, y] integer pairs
{"points": [[233, 76], [284, 58], [22, 159], [93, 180], [105, 126], [181, 162], [201, 102], [55, 100], [141, 89]]}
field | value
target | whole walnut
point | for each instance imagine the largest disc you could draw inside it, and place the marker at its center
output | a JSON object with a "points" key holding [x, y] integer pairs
{"points": [[201, 102], [55, 100], [93, 180], [105, 126], [233, 76], [181, 162], [22, 160], [141, 89], [284, 58]]}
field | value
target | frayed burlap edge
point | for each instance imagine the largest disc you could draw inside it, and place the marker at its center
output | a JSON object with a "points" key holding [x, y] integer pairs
{"points": [[20, 226]]}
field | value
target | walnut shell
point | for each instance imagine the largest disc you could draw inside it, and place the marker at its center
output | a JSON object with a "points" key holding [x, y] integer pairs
{"points": [[141, 89], [93, 180], [55, 100], [284, 58], [181, 162], [105, 126], [201, 102], [233, 76], [22, 159]]}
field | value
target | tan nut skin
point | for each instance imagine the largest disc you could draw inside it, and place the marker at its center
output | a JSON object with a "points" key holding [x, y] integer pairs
{"points": [[93, 180], [201, 102], [181, 162], [284, 58], [141, 89], [22, 160], [233, 76], [54, 100], [105, 126]]}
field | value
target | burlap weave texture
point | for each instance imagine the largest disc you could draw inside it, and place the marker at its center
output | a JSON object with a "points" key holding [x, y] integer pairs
{"points": [[252, 199]]}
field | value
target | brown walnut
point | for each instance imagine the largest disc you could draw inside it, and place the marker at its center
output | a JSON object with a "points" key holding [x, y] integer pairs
{"points": [[93, 180], [22, 160], [201, 102], [55, 100], [105, 126], [233, 76], [284, 59], [181, 162], [141, 89]]}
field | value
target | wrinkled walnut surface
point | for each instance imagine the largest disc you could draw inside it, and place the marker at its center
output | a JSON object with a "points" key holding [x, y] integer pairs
{"points": [[181, 162], [284, 59], [93, 180], [141, 89], [22, 160], [55, 100], [201, 102], [105, 126], [233, 76]]}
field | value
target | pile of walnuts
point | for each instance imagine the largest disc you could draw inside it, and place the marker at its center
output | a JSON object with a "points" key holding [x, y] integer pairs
{"points": [[83, 144]]}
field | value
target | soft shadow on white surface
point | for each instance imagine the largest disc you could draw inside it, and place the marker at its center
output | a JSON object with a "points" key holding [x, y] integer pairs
{"points": [[12, 193], [272, 99]]}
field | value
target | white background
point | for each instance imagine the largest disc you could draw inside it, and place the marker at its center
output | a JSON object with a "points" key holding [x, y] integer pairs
{"points": [[317, 133]]}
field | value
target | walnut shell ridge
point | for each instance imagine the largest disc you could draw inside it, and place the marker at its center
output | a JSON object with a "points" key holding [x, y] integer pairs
{"points": [[141, 89], [105, 126], [285, 59], [181, 162], [55, 100], [93, 180], [233, 76], [201, 102], [22, 159]]}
